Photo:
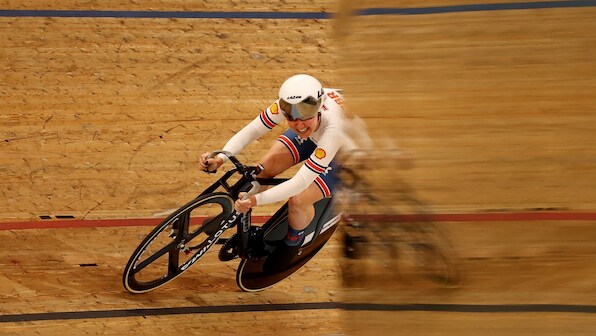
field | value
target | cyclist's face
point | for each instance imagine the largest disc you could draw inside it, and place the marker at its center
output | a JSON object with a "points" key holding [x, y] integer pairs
{"points": [[304, 128]]}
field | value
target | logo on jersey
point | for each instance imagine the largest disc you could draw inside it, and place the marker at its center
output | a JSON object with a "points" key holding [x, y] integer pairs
{"points": [[299, 140], [337, 98], [274, 109], [320, 153]]}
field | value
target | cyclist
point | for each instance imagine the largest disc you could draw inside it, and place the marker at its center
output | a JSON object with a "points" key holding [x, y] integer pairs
{"points": [[315, 118]]}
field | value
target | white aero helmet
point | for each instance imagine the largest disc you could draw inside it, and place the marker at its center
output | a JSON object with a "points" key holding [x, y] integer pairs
{"points": [[301, 97]]}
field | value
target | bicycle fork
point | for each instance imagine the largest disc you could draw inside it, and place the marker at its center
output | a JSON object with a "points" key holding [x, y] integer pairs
{"points": [[244, 233], [244, 226]]}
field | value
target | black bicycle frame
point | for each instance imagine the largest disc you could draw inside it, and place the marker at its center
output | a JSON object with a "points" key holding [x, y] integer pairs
{"points": [[241, 220]]}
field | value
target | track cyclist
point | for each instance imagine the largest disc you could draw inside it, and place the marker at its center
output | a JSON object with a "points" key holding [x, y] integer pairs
{"points": [[315, 117]]}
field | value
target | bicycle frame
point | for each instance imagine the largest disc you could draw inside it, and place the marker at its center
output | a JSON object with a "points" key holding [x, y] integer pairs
{"points": [[242, 221], [248, 178]]}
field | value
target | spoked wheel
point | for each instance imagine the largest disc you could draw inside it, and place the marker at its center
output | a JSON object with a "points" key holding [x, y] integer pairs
{"points": [[178, 242]]}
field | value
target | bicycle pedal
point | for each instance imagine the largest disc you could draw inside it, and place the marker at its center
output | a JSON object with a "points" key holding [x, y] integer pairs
{"points": [[228, 256], [229, 251]]}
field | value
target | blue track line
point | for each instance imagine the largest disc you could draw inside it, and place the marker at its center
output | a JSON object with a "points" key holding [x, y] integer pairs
{"points": [[294, 15], [451, 308], [478, 8], [164, 14]]}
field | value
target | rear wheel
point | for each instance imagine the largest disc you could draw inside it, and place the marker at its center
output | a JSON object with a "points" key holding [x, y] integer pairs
{"points": [[178, 242], [251, 275]]}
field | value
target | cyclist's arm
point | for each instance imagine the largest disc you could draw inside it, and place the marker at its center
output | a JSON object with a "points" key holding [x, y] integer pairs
{"points": [[287, 189], [258, 127], [314, 166]]}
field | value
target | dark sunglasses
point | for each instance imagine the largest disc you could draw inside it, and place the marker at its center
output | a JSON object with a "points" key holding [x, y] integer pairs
{"points": [[309, 106], [290, 118]]}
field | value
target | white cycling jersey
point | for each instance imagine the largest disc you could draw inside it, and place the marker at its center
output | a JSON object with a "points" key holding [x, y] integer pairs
{"points": [[329, 138]]}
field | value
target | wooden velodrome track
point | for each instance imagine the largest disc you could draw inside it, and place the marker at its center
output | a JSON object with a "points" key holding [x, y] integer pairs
{"points": [[103, 117]]}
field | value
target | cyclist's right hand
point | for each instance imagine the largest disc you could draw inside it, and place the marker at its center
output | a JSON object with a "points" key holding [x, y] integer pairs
{"points": [[209, 165]]}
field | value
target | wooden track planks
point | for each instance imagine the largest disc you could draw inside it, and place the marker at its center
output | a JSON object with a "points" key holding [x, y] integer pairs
{"points": [[497, 105], [171, 5], [494, 107], [107, 103], [55, 271], [504, 263], [483, 106]]}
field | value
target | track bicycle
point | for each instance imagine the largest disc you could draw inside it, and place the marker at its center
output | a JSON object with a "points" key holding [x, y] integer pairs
{"points": [[186, 235], [409, 245]]}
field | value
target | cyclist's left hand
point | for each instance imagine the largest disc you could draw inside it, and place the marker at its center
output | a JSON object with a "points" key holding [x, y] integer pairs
{"points": [[243, 206]]}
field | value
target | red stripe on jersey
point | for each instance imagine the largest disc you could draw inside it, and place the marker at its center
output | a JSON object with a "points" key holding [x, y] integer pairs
{"points": [[314, 167], [286, 141], [266, 120], [324, 188]]}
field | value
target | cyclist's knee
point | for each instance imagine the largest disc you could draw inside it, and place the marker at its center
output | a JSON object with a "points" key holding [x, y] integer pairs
{"points": [[275, 164], [300, 202], [296, 202], [266, 173]]}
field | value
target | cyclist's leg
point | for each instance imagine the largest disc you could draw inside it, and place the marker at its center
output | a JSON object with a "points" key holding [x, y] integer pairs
{"points": [[290, 150], [277, 160], [301, 211], [301, 207]]}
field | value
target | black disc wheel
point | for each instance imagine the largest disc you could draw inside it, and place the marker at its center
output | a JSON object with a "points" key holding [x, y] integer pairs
{"points": [[178, 242], [252, 277]]}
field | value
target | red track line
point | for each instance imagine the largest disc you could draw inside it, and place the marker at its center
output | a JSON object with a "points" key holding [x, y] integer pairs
{"points": [[489, 217], [516, 216], [470, 217], [79, 223]]}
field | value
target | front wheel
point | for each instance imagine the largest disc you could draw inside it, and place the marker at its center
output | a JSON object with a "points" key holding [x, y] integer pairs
{"points": [[178, 242]]}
